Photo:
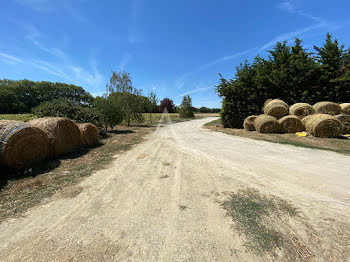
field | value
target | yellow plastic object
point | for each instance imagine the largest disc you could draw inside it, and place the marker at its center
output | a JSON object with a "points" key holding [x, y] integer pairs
{"points": [[301, 134]]}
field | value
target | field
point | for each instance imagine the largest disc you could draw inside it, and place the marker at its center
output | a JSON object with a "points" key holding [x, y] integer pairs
{"points": [[332, 144], [174, 117], [17, 117]]}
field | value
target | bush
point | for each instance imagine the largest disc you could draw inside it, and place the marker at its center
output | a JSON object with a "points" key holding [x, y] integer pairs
{"points": [[110, 109], [68, 109]]}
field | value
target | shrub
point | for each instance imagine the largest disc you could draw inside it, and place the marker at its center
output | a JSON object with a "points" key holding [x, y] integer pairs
{"points": [[68, 109]]}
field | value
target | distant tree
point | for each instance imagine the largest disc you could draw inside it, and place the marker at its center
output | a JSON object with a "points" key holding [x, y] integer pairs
{"points": [[152, 105], [111, 110], [129, 97], [168, 104], [186, 109], [204, 109]]}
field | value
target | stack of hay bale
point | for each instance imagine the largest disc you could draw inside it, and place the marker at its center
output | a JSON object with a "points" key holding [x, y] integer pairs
{"points": [[24, 144], [324, 119]]}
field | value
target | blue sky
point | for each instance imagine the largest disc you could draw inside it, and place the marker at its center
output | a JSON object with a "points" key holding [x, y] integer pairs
{"points": [[173, 47]]}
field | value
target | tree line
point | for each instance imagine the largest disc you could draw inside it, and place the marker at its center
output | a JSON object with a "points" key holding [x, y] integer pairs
{"points": [[22, 96], [290, 73], [123, 102]]}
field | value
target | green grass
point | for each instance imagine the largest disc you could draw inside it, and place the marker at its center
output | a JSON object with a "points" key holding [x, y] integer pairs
{"points": [[257, 217], [17, 117]]}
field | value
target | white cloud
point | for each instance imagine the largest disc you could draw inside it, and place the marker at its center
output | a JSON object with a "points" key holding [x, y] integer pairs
{"points": [[180, 82], [289, 36], [33, 34], [11, 58], [199, 89]]}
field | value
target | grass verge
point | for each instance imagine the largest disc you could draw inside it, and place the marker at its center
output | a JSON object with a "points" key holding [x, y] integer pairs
{"points": [[330, 144], [17, 117], [262, 220], [23, 190]]}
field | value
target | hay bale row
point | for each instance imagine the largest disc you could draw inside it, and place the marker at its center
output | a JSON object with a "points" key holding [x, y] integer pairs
{"points": [[22, 145], [345, 120], [276, 108], [266, 124], [248, 123], [326, 107], [323, 125], [301, 110], [291, 124], [89, 134], [63, 134], [345, 108], [318, 120]]}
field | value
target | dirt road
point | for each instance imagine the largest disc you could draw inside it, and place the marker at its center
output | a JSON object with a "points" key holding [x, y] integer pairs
{"points": [[160, 202]]}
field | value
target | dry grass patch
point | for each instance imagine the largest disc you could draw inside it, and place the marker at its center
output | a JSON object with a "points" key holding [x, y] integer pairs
{"points": [[23, 190]]}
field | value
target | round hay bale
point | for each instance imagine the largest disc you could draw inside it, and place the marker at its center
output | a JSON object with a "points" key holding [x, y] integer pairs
{"points": [[22, 145], [63, 134], [276, 108], [326, 107], [89, 134], [301, 110], [248, 123], [345, 108], [324, 125], [291, 124], [306, 119], [266, 124], [345, 119]]}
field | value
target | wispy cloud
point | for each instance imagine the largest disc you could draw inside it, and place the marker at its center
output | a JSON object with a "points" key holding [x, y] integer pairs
{"points": [[289, 36], [11, 58], [291, 7], [89, 76], [180, 81], [199, 89], [46, 6], [34, 35]]}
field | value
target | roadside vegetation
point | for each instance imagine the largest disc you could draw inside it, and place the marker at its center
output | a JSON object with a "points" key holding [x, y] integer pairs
{"points": [[291, 73], [330, 144]]}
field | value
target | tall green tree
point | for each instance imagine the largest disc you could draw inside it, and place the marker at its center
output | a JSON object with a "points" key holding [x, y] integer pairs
{"points": [[331, 57], [129, 97], [186, 109]]}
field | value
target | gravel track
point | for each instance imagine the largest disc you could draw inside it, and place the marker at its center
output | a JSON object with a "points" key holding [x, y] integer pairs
{"points": [[160, 202]]}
